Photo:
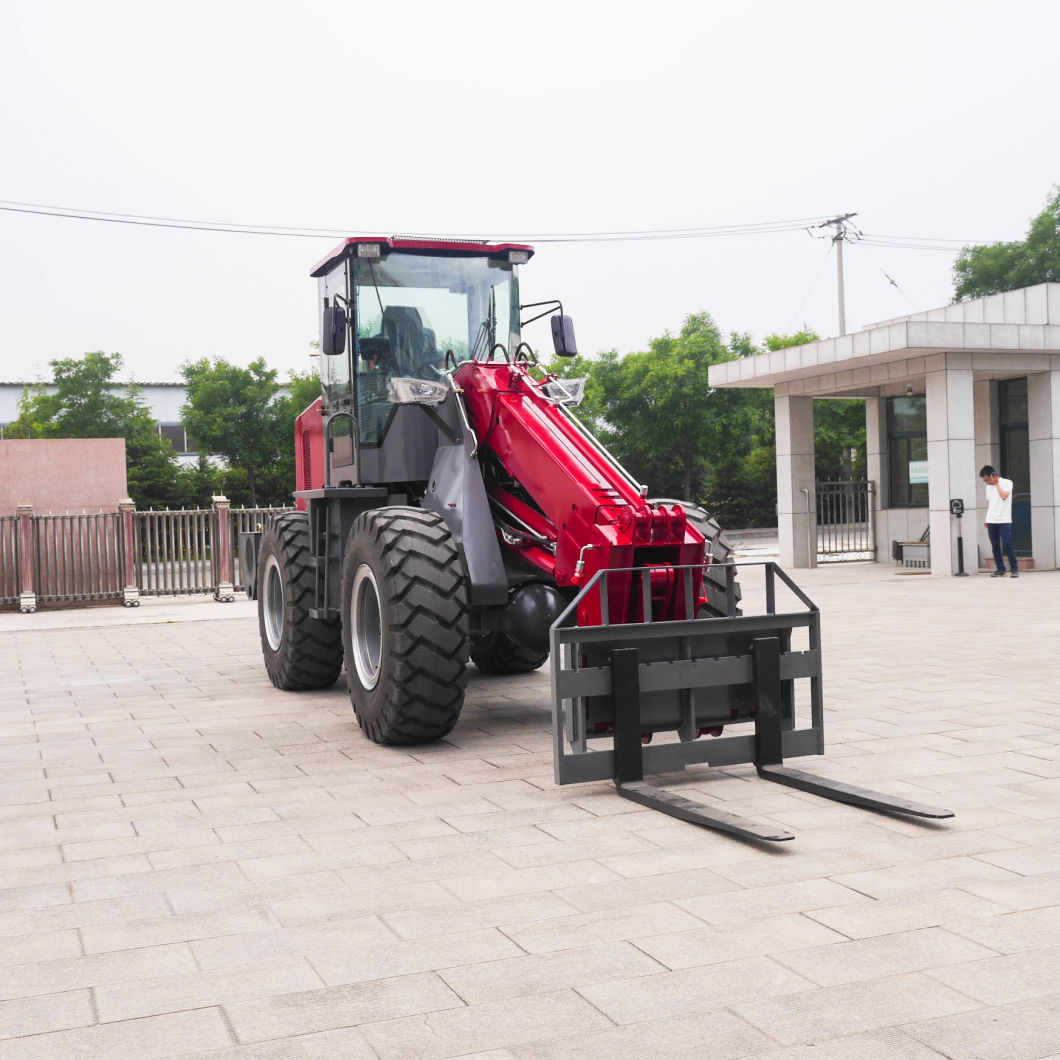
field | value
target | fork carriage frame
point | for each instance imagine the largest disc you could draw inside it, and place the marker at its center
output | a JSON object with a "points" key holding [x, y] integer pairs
{"points": [[631, 680]]}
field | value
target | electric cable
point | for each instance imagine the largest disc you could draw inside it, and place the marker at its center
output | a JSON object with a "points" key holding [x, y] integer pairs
{"points": [[812, 287], [234, 228]]}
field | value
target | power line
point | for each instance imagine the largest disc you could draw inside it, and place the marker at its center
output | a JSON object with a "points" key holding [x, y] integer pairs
{"points": [[234, 228]]}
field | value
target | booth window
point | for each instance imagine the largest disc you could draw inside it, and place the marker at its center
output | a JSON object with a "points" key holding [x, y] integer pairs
{"points": [[907, 449]]}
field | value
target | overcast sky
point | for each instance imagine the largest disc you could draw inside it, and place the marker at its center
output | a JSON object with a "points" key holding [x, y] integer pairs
{"points": [[933, 120]]}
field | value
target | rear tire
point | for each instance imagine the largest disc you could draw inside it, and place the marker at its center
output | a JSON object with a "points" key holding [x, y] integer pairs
{"points": [[404, 625], [719, 550], [500, 653], [300, 652]]}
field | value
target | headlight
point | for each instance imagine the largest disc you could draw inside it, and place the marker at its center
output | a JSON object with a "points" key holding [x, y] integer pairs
{"points": [[565, 391], [405, 391]]}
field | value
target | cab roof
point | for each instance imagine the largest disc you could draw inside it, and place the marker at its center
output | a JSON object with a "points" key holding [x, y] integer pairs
{"points": [[457, 248]]}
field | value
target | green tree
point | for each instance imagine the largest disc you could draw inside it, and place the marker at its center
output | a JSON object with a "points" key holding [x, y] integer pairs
{"points": [[239, 414], [995, 267], [247, 417], [85, 402]]}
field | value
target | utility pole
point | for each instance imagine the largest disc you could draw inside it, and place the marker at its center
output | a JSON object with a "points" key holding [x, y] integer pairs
{"points": [[838, 240]]}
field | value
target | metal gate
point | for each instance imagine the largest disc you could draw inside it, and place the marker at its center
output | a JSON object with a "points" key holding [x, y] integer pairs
{"points": [[846, 527]]}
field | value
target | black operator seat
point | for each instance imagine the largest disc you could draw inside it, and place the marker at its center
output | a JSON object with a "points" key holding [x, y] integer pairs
{"points": [[413, 345]]}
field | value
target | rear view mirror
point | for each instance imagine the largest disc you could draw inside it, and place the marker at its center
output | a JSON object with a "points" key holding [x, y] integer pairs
{"points": [[333, 332], [563, 336]]}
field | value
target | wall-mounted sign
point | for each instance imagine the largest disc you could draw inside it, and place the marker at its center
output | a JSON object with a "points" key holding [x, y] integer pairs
{"points": [[918, 472]]}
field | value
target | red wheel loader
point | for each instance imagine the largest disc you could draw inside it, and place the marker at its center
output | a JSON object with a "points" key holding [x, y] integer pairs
{"points": [[452, 507]]}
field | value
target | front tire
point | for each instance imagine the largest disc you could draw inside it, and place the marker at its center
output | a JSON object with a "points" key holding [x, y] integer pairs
{"points": [[300, 652], [404, 625]]}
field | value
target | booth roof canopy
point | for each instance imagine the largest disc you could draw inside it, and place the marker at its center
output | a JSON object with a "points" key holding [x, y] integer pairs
{"points": [[1022, 321]]}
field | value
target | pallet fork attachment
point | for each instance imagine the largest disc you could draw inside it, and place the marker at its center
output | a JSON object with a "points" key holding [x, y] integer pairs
{"points": [[631, 680]]}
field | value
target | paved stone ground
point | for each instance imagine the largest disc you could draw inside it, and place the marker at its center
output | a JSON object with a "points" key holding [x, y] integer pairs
{"points": [[195, 864]]}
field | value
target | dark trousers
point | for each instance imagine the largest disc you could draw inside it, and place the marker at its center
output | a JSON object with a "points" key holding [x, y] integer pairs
{"points": [[1001, 540]]}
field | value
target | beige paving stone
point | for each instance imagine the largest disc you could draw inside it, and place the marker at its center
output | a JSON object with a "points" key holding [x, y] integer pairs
{"points": [[1025, 1031], [871, 917], [378, 900], [1031, 892], [162, 930], [14, 899], [345, 1042], [833, 1011], [480, 1028], [665, 995], [1007, 978], [889, 1044], [158, 994], [911, 879], [210, 853], [72, 973], [884, 955], [493, 884], [145, 1039], [1027, 862], [545, 973], [694, 947], [41, 946], [1012, 932], [337, 965], [753, 903], [338, 1007], [646, 890], [631, 923], [518, 909], [44, 1013], [192, 899], [716, 1034]]}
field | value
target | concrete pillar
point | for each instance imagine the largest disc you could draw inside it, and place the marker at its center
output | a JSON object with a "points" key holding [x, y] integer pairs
{"points": [[223, 558], [877, 470], [951, 456], [1043, 429], [976, 542], [27, 597], [796, 494], [131, 591]]}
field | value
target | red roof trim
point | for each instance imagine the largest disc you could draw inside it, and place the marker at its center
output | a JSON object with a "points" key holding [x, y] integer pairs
{"points": [[400, 244]]}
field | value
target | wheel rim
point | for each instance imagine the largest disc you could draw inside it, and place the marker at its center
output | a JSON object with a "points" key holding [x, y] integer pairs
{"points": [[366, 634], [272, 603]]}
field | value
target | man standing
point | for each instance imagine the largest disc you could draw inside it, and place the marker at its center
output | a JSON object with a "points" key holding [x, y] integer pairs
{"points": [[999, 520]]}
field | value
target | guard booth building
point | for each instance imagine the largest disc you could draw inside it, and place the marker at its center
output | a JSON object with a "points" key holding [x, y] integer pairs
{"points": [[945, 391]]}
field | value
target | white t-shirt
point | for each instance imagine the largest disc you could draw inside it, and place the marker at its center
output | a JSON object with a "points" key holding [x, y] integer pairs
{"points": [[998, 510]]}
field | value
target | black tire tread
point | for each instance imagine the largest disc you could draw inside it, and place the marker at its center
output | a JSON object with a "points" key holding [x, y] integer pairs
{"points": [[424, 597], [310, 652]]}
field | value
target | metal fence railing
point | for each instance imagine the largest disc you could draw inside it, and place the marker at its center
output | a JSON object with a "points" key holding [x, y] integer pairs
{"points": [[10, 558], [174, 554], [78, 558], [123, 555], [846, 527]]}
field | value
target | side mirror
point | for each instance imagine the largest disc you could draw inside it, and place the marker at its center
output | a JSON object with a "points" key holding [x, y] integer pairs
{"points": [[563, 336], [333, 332]]}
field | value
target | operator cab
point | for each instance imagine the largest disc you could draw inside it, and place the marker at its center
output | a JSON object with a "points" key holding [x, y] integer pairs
{"points": [[400, 308]]}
